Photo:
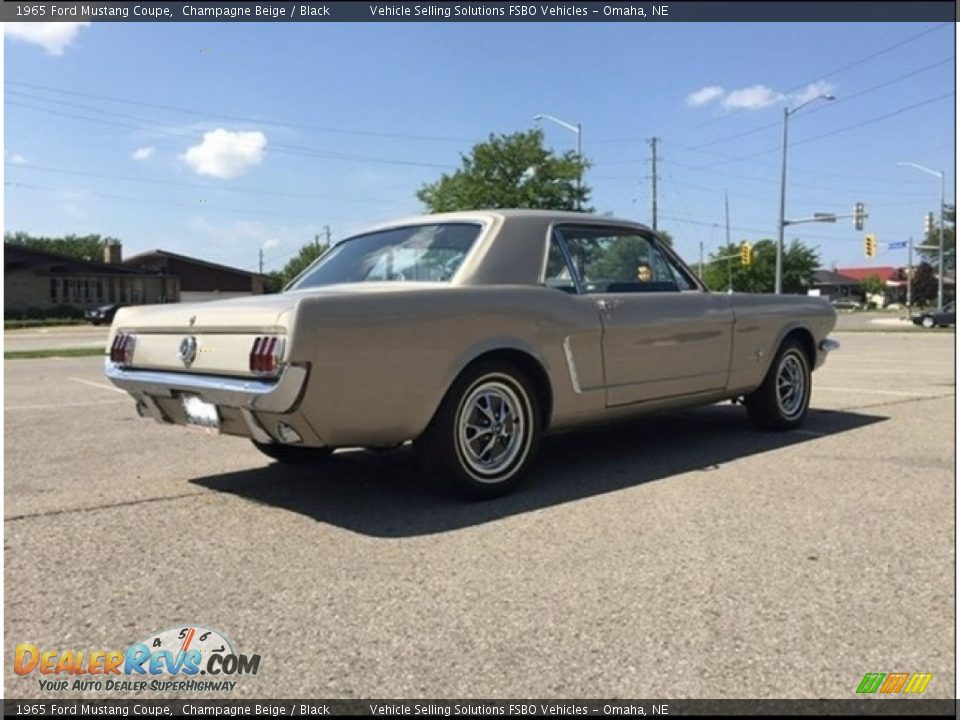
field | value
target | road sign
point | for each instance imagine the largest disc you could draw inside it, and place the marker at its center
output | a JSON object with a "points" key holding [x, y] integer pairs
{"points": [[897, 245]]}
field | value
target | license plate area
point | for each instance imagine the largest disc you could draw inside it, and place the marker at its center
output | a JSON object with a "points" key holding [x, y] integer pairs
{"points": [[200, 413]]}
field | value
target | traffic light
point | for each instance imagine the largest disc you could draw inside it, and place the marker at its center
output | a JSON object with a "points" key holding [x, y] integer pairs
{"points": [[858, 216], [746, 253], [928, 223], [870, 245]]}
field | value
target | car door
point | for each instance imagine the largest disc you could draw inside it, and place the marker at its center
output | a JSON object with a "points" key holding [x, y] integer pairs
{"points": [[663, 336]]}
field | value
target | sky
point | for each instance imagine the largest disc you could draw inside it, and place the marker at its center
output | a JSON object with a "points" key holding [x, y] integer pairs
{"points": [[217, 140]]}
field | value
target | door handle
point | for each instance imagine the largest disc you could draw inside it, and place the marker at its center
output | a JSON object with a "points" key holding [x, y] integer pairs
{"points": [[608, 305]]}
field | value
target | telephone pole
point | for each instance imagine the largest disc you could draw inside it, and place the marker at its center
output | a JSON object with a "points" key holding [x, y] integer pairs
{"points": [[261, 261], [653, 158], [726, 212]]}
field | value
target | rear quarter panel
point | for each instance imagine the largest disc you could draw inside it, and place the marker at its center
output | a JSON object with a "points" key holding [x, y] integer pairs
{"points": [[382, 362]]}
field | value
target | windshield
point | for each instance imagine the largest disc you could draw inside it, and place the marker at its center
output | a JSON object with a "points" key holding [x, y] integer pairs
{"points": [[418, 252]]}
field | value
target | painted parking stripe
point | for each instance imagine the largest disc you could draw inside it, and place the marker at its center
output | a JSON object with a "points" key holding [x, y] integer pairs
{"points": [[102, 386], [872, 391], [50, 406]]}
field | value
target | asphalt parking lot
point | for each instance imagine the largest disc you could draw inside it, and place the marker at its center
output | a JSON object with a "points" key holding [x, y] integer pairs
{"points": [[684, 555]]}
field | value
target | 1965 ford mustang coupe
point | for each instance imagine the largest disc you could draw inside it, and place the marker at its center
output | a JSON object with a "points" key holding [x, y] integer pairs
{"points": [[470, 334]]}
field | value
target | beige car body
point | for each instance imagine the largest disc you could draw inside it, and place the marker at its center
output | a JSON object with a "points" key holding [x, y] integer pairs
{"points": [[367, 364]]}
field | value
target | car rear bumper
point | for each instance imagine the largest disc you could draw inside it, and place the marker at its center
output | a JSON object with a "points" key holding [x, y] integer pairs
{"points": [[273, 396]]}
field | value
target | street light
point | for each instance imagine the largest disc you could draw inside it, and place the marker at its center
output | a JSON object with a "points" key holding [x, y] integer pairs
{"points": [[787, 112], [579, 131], [928, 171]]}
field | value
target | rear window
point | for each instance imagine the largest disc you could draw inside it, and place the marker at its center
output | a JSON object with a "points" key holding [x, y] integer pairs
{"points": [[417, 252]]}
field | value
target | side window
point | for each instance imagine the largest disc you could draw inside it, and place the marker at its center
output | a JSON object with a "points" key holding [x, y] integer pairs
{"points": [[616, 261], [557, 274]]}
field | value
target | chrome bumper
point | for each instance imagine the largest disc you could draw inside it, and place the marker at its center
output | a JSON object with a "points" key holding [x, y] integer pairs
{"points": [[276, 396]]}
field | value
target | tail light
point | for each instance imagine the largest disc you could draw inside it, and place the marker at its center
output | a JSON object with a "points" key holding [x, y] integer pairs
{"points": [[266, 355], [121, 351]]}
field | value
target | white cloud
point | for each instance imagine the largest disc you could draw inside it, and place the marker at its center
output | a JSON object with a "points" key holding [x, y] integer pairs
{"points": [[144, 153], [17, 159], [704, 95], [226, 154], [271, 243], [756, 97], [811, 91], [53, 36], [751, 98]]}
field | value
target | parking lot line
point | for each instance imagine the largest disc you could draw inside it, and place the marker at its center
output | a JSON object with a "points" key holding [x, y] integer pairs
{"points": [[49, 406], [102, 386], [874, 391]]}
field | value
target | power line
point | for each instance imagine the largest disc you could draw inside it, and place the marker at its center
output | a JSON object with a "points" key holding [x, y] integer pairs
{"points": [[831, 133], [201, 186], [284, 148], [817, 108], [842, 68], [239, 118]]}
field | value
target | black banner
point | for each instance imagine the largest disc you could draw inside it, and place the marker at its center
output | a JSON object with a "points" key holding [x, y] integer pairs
{"points": [[862, 707], [493, 11]]}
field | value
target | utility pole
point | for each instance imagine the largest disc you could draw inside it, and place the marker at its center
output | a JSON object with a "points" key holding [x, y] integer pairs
{"points": [[701, 259], [261, 261], [326, 230], [726, 212], [653, 158], [316, 243], [910, 277]]}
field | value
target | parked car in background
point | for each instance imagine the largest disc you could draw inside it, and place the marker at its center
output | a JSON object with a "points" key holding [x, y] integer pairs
{"points": [[938, 318], [102, 314], [470, 334], [847, 304]]}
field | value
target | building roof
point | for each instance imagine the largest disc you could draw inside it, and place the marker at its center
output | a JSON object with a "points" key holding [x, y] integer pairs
{"points": [[884, 272], [831, 277], [16, 256], [145, 257]]}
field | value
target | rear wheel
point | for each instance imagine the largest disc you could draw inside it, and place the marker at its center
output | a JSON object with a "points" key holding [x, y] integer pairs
{"points": [[293, 454], [485, 434], [781, 402]]}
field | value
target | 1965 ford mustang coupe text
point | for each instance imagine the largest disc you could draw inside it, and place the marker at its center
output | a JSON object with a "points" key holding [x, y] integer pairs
{"points": [[470, 334]]}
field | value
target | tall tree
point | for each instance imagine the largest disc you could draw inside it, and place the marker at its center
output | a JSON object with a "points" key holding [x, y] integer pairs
{"points": [[923, 286], [799, 264], [932, 238], [510, 171], [83, 247], [296, 265]]}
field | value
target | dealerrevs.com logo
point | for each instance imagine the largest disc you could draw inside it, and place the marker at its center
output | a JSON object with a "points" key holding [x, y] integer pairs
{"points": [[186, 658]]}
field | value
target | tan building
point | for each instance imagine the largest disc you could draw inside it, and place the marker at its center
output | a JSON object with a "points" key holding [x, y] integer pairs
{"points": [[199, 279], [37, 281]]}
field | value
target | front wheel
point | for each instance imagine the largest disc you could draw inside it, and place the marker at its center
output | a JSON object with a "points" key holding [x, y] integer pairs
{"points": [[293, 454], [928, 322], [781, 402], [485, 434]]}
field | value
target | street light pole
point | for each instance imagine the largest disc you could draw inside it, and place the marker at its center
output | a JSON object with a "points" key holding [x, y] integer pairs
{"points": [[578, 129], [782, 224], [928, 171]]}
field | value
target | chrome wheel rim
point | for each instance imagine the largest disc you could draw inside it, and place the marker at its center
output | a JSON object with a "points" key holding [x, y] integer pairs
{"points": [[491, 429], [791, 385]]}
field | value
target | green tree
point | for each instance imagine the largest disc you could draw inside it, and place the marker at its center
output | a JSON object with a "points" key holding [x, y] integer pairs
{"points": [[923, 286], [510, 171], [932, 238], [799, 264], [666, 236], [296, 265], [872, 285], [84, 247]]}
